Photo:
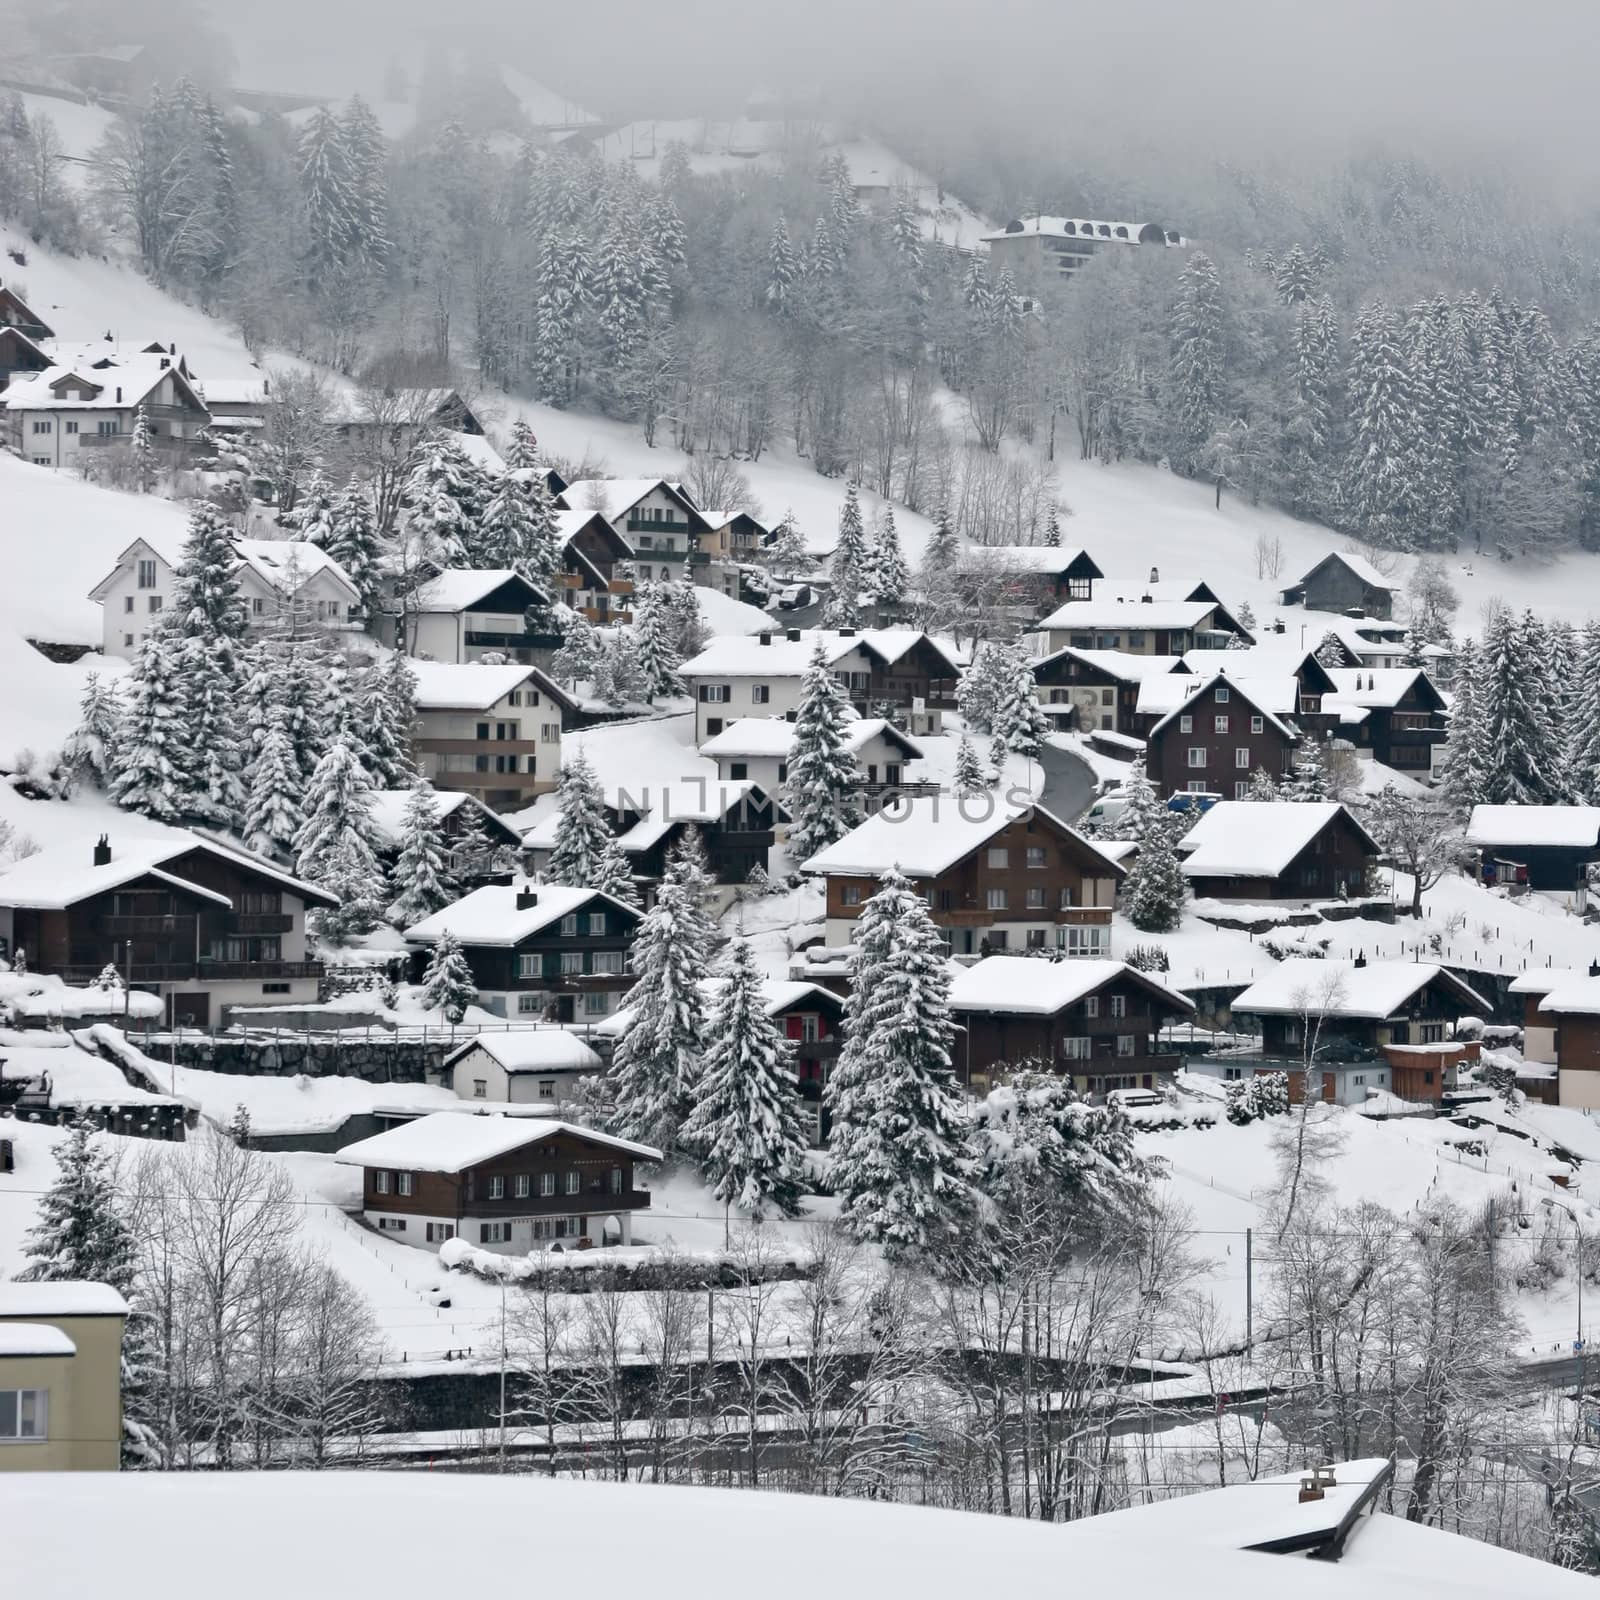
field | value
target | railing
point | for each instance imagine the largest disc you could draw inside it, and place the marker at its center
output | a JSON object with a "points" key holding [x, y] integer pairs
{"points": [[158, 441], [250, 970], [620, 586], [123, 927], [260, 922], [477, 747], [594, 1200], [665, 553], [528, 639], [699, 558]]}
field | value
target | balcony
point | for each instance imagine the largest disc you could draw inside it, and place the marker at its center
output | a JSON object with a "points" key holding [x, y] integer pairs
{"points": [[595, 1200], [170, 927], [195, 972], [248, 971], [260, 922], [699, 558], [647, 552], [477, 747], [528, 639], [620, 586], [1108, 1064]]}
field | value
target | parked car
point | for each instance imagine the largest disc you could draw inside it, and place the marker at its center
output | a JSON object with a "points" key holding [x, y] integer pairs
{"points": [[1192, 800], [1108, 808], [794, 597]]}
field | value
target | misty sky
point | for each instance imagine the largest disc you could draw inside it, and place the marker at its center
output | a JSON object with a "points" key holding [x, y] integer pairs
{"points": [[1243, 74]]}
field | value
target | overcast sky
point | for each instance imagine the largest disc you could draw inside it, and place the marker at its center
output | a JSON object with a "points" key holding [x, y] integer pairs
{"points": [[1516, 78]]}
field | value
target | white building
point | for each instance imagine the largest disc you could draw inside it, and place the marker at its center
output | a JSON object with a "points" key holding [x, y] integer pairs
{"points": [[286, 584], [528, 1066], [463, 615], [758, 749], [53, 417]]}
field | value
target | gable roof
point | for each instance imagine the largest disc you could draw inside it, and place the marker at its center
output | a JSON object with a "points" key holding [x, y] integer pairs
{"points": [[1274, 698], [1333, 988], [927, 835], [491, 916], [1138, 615], [1270, 657], [1554, 827], [288, 565], [778, 995], [569, 524], [1259, 839], [531, 1050], [1032, 986], [1575, 995], [621, 495], [1042, 560], [64, 875], [469, 686], [1119, 664], [460, 588], [452, 1141], [1359, 565], [62, 1297], [123, 385], [15, 313], [1378, 688], [746, 656], [774, 736], [389, 810]]}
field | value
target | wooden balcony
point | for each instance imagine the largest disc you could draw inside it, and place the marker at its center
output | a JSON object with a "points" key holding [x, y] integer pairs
{"points": [[177, 926], [478, 747], [260, 922], [620, 586], [196, 972], [594, 1200]]}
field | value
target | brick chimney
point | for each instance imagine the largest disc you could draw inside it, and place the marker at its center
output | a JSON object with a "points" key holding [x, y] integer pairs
{"points": [[102, 851]]}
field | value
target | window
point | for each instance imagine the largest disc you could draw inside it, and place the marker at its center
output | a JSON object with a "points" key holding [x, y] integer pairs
{"points": [[995, 899], [41, 461], [127, 603], [810, 1029], [42, 427], [480, 1088], [391, 1224], [1197, 755], [547, 1091], [713, 694], [441, 1232], [572, 963], [1432, 1032], [1037, 860], [1091, 1006], [483, 731], [1185, 724], [738, 770], [1136, 641], [527, 1004], [1036, 938], [550, 732], [616, 1180], [850, 894], [497, 1188], [760, 694], [155, 603], [1241, 790], [1219, 724], [522, 1185], [405, 1183], [147, 574], [999, 940], [1221, 696], [1066, 897], [1119, 1006], [258, 606], [597, 924], [1127, 1044], [1036, 899], [607, 963], [71, 427], [106, 427], [574, 1183], [1258, 724], [1197, 786], [1075, 1049], [569, 926], [999, 856], [530, 966], [494, 1233], [713, 727], [547, 1184], [947, 900], [380, 1183], [1241, 759], [1090, 941], [644, 573]]}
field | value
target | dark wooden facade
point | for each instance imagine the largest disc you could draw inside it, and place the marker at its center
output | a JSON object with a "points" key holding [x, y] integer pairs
{"points": [[736, 842], [1118, 1026], [922, 673], [18, 353], [1221, 722], [1426, 1018], [1334, 863], [1403, 735], [1067, 681], [594, 566], [1332, 586]]}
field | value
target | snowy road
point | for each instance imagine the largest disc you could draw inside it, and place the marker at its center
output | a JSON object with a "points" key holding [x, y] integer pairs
{"points": [[1069, 783]]}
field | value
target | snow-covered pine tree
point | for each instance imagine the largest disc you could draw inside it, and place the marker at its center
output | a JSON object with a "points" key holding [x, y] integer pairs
{"points": [[420, 880], [655, 630], [1052, 528], [312, 516], [969, 774], [352, 872], [1144, 812], [787, 552], [154, 762], [1465, 773], [999, 751], [332, 212], [884, 575], [1309, 779], [1155, 890], [981, 687], [655, 1068], [585, 854], [447, 983], [822, 772], [89, 753], [353, 539], [1310, 431], [782, 268], [385, 700], [745, 1124], [506, 536], [442, 495], [367, 158], [1382, 486], [1331, 652], [689, 868], [1199, 367], [81, 1232], [847, 569], [1018, 717], [144, 451], [896, 1157], [273, 816], [1263, 787], [1522, 755], [338, 807], [522, 449], [1583, 747]]}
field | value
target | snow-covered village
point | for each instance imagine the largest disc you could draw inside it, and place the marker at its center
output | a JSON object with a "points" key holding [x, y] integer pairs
{"points": [[794, 815]]}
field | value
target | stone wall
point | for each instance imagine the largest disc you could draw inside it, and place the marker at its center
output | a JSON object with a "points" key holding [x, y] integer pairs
{"points": [[381, 1059]]}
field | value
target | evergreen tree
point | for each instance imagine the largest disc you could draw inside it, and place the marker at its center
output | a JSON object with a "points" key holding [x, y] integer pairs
{"points": [[983, 685], [1144, 814], [273, 816], [442, 494], [385, 706], [689, 868], [1198, 359], [1381, 492], [505, 538], [90, 752], [1154, 892], [884, 575], [585, 854], [80, 1232], [1521, 744], [1017, 716], [144, 452], [782, 269], [448, 984], [155, 762], [1583, 750], [333, 218], [352, 872], [522, 451], [338, 807], [655, 1068], [846, 571], [1309, 431], [312, 516], [896, 1157], [1331, 652], [969, 776], [1263, 787], [419, 881], [1052, 529], [366, 153], [1309, 780], [822, 771], [745, 1122], [1465, 775], [787, 552], [353, 540], [654, 636]]}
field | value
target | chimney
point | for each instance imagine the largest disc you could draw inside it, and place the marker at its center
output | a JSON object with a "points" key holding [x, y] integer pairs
{"points": [[765, 636], [1360, 960], [1146, 599], [527, 899], [1155, 574], [1594, 969], [793, 635], [847, 633], [102, 851], [119, 394], [1315, 1482]]}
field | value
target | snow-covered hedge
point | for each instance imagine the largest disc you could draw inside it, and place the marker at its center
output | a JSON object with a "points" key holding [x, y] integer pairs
{"points": [[630, 1266]]}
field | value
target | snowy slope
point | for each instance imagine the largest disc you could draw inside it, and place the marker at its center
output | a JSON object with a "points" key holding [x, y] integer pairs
{"points": [[79, 127]]}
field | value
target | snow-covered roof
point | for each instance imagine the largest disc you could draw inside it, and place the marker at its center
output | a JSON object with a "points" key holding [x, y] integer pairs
{"points": [[1043, 560], [774, 736], [1112, 612], [1270, 656], [928, 834], [783, 657], [491, 916], [1257, 839], [34, 1339], [1577, 996], [777, 995], [1081, 228], [1372, 688], [66, 1297], [1030, 986], [1165, 697], [1556, 827], [53, 879], [452, 686], [1117, 663], [531, 1050], [460, 588], [290, 564], [119, 387], [617, 496], [452, 1141], [389, 811], [1359, 565], [251, 390], [1545, 980], [1333, 988]]}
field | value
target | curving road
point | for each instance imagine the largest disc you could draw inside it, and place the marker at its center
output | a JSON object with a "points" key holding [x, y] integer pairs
{"points": [[1069, 783]]}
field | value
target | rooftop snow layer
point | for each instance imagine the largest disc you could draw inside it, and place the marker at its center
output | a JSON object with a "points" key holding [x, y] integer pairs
{"points": [[34, 1339], [783, 657], [1342, 989], [1577, 997], [389, 811], [447, 686], [452, 1141], [1119, 663], [1373, 687], [61, 1298], [1101, 612], [1253, 839], [1557, 827], [774, 736], [1033, 987], [1359, 565], [460, 588], [1164, 696], [491, 916], [532, 1050]]}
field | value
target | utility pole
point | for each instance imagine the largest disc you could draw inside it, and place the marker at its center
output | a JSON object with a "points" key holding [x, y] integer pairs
{"points": [[1249, 1309], [502, 1374]]}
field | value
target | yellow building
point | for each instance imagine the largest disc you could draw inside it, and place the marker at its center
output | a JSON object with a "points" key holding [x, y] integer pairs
{"points": [[60, 1377]]}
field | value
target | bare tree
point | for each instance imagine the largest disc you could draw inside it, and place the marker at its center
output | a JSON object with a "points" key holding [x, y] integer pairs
{"points": [[1311, 1132], [1269, 555], [298, 431]]}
